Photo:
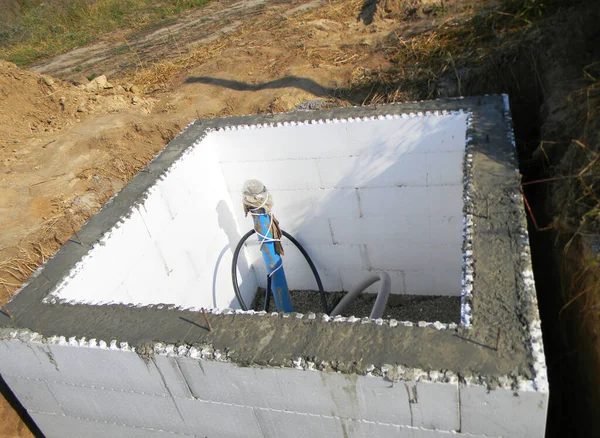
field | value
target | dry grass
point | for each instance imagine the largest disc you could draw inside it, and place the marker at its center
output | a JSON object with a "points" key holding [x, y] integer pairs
{"points": [[580, 197], [251, 35], [280, 28], [157, 75], [18, 263], [575, 196], [581, 285], [457, 51], [14, 270]]}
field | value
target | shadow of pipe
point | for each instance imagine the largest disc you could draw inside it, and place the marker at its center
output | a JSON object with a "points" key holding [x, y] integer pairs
{"points": [[301, 83]]}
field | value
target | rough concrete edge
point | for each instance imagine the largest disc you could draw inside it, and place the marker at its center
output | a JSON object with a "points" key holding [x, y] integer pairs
{"points": [[53, 297], [310, 121], [26, 335], [389, 372], [466, 304], [36, 273], [374, 106], [528, 296]]}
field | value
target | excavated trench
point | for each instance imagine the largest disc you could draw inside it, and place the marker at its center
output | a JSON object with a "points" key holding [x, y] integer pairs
{"points": [[570, 412]]}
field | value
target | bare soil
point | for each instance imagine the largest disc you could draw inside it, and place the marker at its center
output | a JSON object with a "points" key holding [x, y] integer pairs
{"points": [[124, 50]]}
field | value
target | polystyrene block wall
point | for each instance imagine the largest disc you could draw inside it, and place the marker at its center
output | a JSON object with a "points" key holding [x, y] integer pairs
{"points": [[158, 395], [360, 195]]}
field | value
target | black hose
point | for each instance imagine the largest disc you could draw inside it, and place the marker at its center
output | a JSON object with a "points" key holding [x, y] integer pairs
{"points": [[236, 254], [267, 300], [313, 268]]}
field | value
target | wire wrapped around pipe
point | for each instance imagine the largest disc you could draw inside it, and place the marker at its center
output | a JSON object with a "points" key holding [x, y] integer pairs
{"points": [[236, 254]]}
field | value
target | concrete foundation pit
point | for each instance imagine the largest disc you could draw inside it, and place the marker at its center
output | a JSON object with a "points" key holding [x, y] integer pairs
{"points": [[133, 327]]}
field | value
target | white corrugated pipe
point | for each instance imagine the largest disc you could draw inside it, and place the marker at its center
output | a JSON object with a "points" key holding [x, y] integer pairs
{"points": [[382, 295]]}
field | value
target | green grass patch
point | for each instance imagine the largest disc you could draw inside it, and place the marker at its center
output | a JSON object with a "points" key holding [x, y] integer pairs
{"points": [[57, 26]]}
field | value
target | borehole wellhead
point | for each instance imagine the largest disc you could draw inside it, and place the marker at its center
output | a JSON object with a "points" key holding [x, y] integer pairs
{"points": [[258, 202]]}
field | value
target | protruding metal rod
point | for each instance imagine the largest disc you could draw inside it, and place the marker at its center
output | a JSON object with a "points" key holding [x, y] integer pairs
{"points": [[5, 311]]}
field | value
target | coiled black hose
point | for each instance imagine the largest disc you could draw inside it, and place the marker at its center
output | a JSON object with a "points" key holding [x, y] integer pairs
{"points": [[236, 286]]}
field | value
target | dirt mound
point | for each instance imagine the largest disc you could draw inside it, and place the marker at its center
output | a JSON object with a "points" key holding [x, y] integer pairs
{"points": [[31, 103], [64, 151]]}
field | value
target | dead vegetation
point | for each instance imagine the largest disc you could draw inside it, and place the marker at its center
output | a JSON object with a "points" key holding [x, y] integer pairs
{"points": [[293, 31]]}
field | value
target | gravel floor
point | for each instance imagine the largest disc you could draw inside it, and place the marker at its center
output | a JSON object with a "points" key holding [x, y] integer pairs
{"points": [[401, 307]]}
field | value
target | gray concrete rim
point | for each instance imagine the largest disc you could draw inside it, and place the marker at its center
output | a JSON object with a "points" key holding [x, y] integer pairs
{"points": [[500, 298]]}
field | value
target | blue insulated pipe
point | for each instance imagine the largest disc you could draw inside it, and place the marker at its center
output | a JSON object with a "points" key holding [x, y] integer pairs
{"points": [[273, 262], [236, 286]]}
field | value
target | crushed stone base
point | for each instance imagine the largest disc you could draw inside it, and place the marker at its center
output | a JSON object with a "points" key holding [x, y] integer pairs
{"points": [[412, 308]]}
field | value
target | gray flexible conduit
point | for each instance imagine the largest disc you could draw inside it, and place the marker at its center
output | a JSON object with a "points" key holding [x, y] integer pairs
{"points": [[380, 302]]}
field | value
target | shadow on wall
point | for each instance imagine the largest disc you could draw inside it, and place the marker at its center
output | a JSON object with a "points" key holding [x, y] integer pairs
{"points": [[355, 187], [229, 226]]}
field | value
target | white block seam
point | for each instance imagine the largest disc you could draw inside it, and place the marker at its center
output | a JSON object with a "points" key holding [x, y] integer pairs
{"points": [[279, 411], [78, 385], [92, 420], [466, 297]]}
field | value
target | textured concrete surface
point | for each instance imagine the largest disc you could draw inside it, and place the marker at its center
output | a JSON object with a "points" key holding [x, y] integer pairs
{"points": [[501, 294]]}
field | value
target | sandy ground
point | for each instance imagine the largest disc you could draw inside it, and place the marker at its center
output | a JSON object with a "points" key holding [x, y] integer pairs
{"points": [[67, 146], [10, 423]]}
